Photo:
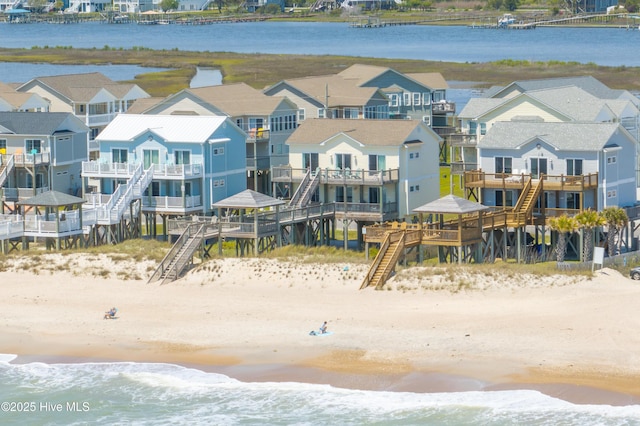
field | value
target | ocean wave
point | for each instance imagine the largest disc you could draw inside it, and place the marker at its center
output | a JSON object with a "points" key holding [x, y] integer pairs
{"points": [[149, 393]]}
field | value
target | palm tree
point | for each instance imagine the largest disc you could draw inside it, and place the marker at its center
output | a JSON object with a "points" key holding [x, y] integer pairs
{"points": [[616, 219], [563, 224], [588, 220]]}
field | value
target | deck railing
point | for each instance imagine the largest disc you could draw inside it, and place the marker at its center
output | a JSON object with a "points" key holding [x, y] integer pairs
{"points": [[338, 176], [165, 202]]}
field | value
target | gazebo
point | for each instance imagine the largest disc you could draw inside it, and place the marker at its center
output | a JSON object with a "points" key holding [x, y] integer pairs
{"points": [[259, 230], [458, 238], [57, 218]]}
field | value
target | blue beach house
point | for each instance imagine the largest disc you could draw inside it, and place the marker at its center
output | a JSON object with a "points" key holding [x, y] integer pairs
{"points": [[191, 161]]}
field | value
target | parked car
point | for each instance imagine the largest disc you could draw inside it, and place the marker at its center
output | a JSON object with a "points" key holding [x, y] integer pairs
{"points": [[635, 273]]}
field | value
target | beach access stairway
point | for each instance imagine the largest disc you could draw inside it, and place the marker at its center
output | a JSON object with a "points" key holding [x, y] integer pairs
{"points": [[522, 213], [392, 247], [307, 187], [116, 206], [181, 254]]}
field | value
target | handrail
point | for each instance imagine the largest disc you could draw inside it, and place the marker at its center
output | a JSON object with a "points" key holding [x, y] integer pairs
{"points": [[384, 246], [300, 190], [186, 234], [6, 169]]}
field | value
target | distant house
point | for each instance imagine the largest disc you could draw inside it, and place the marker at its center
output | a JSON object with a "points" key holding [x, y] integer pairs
{"points": [[332, 96], [255, 5], [267, 122], [418, 96], [92, 97], [374, 170], [11, 100], [191, 161], [40, 151]]}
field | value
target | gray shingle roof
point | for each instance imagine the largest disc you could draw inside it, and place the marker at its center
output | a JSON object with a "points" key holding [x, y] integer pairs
{"points": [[52, 199], [248, 199], [451, 204], [569, 136], [367, 132], [571, 101], [33, 123], [586, 83]]}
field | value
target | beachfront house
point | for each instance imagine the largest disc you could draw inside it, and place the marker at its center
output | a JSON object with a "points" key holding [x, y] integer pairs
{"points": [[373, 170], [92, 97], [40, 151], [267, 122], [256, 5], [564, 167], [332, 96], [12, 100], [179, 164], [556, 104]]}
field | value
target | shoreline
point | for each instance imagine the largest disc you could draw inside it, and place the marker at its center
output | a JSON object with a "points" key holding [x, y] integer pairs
{"points": [[571, 338]]}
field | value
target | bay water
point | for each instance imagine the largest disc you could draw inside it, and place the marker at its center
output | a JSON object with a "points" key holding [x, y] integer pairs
{"points": [[159, 394]]}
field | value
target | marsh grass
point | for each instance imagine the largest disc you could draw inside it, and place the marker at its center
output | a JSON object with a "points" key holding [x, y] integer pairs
{"points": [[261, 70]]}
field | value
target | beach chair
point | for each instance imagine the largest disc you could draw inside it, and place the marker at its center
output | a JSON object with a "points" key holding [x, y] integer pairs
{"points": [[111, 313]]}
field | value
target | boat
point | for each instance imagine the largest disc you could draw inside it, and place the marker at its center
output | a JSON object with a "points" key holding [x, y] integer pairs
{"points": [[506, 20]]}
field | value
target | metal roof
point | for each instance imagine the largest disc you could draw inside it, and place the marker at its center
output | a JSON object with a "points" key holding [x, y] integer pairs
{"points": [[451, 204], [248, 199], [172, 128]]}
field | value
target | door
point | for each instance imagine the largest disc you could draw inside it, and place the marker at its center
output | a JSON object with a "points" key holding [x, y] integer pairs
{"points": [[538, 167], [151, 156]]}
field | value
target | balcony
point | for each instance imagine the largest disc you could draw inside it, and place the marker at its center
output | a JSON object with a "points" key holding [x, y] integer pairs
{"points": [[443, 107], [172, 204], [480, 179], [338, 176], [462, 139], [98, 169], [256, 134], [258, 163], [98, 119], [17, 194], [33, 159]]}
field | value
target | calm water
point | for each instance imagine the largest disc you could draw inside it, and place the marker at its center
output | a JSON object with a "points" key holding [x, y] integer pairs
{"points": [[611, 46], [166, 394]]}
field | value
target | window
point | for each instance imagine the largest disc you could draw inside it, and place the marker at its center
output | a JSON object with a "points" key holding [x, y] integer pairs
{"points": [[611, 160], [182, 157], [239, 122], [394, 100], [427, 120], [483, 128], [377, 162], [406, 99], [310, 161], [351, 113], [150, 156], [3, 146], [473, 127], [417, 187], [411, 188], [538, 167], [573, 200], [301, 114], [503, 165], [374, 195], [119, 155], [574, 167], [426, 98], [322, 113], [504, 198], [340, 194], [33, 146], [438, 96], [411, 155], [343, 161], [417, 99], [417, 155], [94, 133], [218, 151]]}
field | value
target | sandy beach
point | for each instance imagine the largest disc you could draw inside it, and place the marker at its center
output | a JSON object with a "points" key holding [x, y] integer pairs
{"points": [[572, 337]]}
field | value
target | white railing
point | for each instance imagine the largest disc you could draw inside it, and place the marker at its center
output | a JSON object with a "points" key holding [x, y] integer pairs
{"points": [[97, 119], [6, 169], [111, 169], [11, 226], [177, 170], [176, 203], [69, 221], [32, 159], [23, 193]]}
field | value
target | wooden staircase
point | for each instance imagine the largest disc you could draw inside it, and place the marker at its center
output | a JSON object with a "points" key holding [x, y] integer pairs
{"points": [[385, 262], [181, 254], [523, 210], [303, 194]]}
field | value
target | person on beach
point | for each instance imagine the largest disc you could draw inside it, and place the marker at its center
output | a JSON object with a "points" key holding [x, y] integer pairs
{"points": [[323, 328], [111, 313]]}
